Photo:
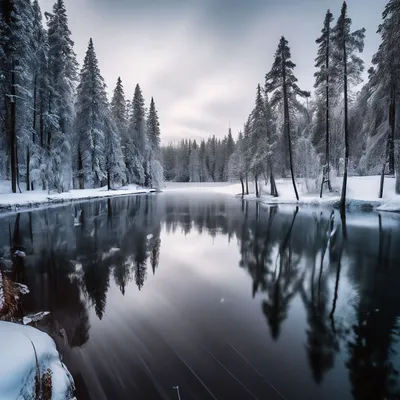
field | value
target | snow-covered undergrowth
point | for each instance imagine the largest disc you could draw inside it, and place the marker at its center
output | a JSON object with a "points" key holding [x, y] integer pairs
{"points": [[30, 363], [11, 201]]}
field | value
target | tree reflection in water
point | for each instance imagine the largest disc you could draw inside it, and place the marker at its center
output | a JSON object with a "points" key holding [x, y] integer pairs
{"points": [[75, 253]]}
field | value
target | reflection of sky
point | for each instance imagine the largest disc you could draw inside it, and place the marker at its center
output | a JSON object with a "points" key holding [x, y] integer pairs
{"points": [[202, 59]]}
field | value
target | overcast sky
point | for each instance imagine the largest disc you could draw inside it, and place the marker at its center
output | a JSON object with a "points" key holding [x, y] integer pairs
{"points": [[201, 60]]}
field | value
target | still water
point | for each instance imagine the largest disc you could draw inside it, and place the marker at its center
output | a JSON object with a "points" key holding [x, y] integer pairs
{"points": [[156, 297]]}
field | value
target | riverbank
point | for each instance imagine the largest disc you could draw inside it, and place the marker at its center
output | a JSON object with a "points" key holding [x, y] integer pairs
{"points": [[15, 201], [362, 193]]}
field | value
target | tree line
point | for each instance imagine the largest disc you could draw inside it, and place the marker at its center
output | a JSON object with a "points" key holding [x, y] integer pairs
{"points": [[57, 128], [291, 132]]}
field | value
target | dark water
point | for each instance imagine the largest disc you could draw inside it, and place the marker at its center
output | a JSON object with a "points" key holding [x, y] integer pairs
{"points": [[224, 299]]}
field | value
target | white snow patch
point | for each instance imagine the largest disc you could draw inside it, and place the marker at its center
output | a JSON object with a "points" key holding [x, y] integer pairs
{"points": [[28, 319], [149, 236], [18, 365], [23, 289], [20, 253], [109, 253]]}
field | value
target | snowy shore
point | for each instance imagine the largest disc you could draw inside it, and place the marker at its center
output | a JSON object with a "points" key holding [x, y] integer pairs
{"points": [[362, 193], [14, 201]]}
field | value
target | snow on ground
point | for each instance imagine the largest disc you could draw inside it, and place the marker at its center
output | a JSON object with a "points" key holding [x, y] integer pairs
{"points": [[18, 363], [361, 192], [35, 198]]}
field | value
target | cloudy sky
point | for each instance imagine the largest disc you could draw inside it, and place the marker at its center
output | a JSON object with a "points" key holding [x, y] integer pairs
{"points": [[201, 60]]}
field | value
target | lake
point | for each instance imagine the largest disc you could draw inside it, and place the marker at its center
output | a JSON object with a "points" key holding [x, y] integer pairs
{"points": [[175, 296]]}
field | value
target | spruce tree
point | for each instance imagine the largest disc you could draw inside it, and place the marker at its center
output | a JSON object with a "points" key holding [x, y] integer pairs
{"points": [[280, 82], [385, 82], [258, 139], [62, 67], [348, 67], [153, 134], [323, 87], [15, 66], [138, 133], [91, 114]]}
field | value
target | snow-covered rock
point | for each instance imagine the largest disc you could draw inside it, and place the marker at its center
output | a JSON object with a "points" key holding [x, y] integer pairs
{"points": [[18, 363]]}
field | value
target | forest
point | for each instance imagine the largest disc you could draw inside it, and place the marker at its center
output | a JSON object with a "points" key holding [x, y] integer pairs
{"points": [[343, 128], [58, 130]]}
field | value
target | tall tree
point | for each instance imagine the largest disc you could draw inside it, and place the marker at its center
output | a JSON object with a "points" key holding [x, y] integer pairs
{"points": [[91, 114], [62, 77], [259, 139], [15, 59], [281, 82], [119, 114], [138, 132], [153, 134], [349, 67], [385, 81], [323, 87]]}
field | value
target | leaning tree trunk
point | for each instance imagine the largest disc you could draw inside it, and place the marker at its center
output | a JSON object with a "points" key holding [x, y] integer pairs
{"points": [[346, 133]]}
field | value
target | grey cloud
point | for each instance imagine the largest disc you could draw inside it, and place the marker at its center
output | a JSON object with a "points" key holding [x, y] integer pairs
{"points": [[202, 59]]}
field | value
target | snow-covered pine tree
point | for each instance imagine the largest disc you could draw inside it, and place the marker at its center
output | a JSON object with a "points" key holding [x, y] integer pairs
{"points": [[60, 113], [258, 139], [37, 158], [280, 82], [15, 80], [236, 164], [114, 159], [119, 114], [385, 81], [138, 134], [323, 90], [348, 67], [154, 153], [194, 163], [91, 113], [247, 151]]}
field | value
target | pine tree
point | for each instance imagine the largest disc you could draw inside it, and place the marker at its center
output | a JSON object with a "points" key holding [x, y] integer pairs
{"points": [[348, 68], [385, 82], [114, 159], [91, 114], [119, 114], [258, 138], [36, 160], [323, 87], [15, 63], [153, 134], [281, 83], [60, 112], [138, 134]]}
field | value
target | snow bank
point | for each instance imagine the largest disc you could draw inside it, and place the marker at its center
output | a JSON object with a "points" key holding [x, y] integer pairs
{"points": [[18, 363], [362, 192], [10, 201]]}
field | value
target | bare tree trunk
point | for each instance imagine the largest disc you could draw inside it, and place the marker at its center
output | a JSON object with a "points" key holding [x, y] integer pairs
{"points": [[346, 133], [33, 135], [327, 139], [241, 182], [80, 170], [247, 183], [12, 131], [256, 185]]}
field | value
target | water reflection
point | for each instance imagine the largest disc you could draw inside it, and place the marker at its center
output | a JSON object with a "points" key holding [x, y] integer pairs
{"points": [[326, 289]]}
